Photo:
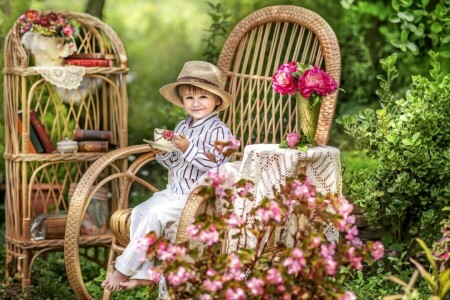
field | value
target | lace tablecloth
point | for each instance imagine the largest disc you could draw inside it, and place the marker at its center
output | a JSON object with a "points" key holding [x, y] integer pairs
{"points": [[268, 166], [67, 77]]}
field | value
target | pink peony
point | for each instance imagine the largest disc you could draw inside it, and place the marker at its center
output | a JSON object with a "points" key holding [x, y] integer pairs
{"points": [[283, 80], [292, 139], [316, 81]]}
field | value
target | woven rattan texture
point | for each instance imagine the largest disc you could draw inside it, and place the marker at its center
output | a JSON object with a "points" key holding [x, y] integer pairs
{"points": [[100, 102]]}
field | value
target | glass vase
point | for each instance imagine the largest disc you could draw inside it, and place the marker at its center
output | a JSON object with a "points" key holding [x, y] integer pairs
{"points": [[308, 115]]}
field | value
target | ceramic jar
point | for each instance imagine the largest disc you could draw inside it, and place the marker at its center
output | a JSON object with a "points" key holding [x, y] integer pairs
{"points": [[67, 146]]}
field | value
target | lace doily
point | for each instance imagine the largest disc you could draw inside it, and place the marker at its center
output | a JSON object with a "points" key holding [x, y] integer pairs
{"points": [[68, 77]]}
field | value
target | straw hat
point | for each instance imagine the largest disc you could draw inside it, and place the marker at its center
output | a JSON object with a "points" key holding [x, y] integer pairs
{"points": [[200, 74]]}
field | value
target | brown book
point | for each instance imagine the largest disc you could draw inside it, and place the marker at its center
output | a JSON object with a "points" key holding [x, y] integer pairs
{"points": [[91, 135], [41, 132], [31, 148], [93, 146], [91, 62], [109, 56]]}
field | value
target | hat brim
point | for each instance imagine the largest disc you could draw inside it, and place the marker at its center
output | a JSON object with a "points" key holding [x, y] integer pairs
{"points": [[169, 91]]}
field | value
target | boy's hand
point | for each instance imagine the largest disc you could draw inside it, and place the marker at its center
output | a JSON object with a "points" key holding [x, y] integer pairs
{"points": [[181, 142]]}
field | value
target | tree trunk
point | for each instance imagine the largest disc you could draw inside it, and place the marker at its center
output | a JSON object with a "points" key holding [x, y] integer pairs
{"points": [[95, 8]]}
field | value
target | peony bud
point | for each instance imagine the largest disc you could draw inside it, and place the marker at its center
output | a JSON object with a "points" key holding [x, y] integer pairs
{"points": [[292, 139]]}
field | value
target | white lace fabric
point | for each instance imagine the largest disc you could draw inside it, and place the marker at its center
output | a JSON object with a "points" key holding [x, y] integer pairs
{"points": [[67, 77]]}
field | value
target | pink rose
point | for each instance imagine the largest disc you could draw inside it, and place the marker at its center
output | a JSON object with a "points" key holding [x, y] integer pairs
{"points": [[68, 30], [316, 81], [283, 80], [292, 139], [168, 135]]}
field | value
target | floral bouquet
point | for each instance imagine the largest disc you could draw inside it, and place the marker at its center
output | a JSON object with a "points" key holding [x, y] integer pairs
{"points": [[49, 34], [309, 84]]}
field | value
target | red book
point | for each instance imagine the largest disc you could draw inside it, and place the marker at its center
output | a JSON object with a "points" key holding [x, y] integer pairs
{"points": [[41, 132], [88, 62], [92, 56], [93, 146]]}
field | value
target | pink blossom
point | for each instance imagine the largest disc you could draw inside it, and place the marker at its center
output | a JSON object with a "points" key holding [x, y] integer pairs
{"points": [[211, 272], [348, 296], [217, 177], [316, 81], [193, 230], [212, 286], [354, 260], [235, 262], [272, 213], [180, 277], [330, 265], [316, 242], [235, 294], [292, 139], [273, 276], [283, 80], [234, 221], [256, 286], [68, 30], [205, 297], [352, 233], [154, 275], [243, 190], [295, 262], [378, 250], [209, 236]]}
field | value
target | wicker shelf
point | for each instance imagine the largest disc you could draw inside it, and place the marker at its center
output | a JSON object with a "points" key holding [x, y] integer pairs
{"points": [[87, 156], [89, 71], [100, 103]]}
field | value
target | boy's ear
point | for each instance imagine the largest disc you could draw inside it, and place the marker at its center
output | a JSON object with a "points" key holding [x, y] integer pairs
{"points": [[218, 101]]}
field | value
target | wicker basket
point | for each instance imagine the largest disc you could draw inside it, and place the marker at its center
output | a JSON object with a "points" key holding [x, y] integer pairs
{"points": [[55, 226]]}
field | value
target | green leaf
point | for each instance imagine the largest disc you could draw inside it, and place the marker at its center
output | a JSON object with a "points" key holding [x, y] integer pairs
{"points": [[395, 5], [412, 47], [425, 3], [394, 19], [436, 27], [404, 36], [427, 276], [407, 142], [407, 16], [428, 254], [445, 54]]}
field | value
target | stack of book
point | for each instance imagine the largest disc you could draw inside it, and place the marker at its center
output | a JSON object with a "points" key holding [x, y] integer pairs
{"points": [[40, 140], [92, 140], [90, 60]]}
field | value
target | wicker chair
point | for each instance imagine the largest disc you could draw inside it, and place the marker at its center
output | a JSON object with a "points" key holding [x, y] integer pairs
{"points": [[253, 51]]}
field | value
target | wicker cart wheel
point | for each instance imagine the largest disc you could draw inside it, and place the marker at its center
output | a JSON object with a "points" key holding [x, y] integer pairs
{"points": [[78, 206]]}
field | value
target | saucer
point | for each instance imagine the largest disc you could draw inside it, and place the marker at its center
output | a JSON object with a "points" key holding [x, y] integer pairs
{"points": [[161, 146]]}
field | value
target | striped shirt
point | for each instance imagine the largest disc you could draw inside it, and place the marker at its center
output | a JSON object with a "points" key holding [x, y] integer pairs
{"points": [[187, 167]]}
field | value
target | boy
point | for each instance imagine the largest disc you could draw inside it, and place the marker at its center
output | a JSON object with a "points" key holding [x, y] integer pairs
{"points": [[199, 90]]}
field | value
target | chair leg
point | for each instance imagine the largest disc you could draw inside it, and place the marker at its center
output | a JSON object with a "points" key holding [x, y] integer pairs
{"points": [[112, 258]]}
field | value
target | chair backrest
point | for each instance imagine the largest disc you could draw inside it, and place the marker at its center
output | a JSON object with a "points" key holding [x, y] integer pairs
{"points": [[254, 50]]}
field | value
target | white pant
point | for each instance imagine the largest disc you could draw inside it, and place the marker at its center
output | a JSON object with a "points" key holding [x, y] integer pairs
{"points": [[151, 215]]}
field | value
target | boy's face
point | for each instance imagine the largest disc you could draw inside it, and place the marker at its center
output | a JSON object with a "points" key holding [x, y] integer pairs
{"points": [[199, 103]]}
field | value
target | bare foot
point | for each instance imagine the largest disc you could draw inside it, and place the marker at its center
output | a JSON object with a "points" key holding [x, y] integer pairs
{"points": [[132, 283], [112, 283]]}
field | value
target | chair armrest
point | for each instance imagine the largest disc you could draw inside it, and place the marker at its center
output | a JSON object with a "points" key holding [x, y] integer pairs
{"points": [[83, 195], [195, 205]]}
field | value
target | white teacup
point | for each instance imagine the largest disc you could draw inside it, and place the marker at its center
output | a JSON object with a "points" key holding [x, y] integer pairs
{"points": [[163, 136]]}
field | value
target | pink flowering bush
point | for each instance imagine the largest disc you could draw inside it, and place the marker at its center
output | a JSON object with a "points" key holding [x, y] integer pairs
{"points": [[308, 268]]}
